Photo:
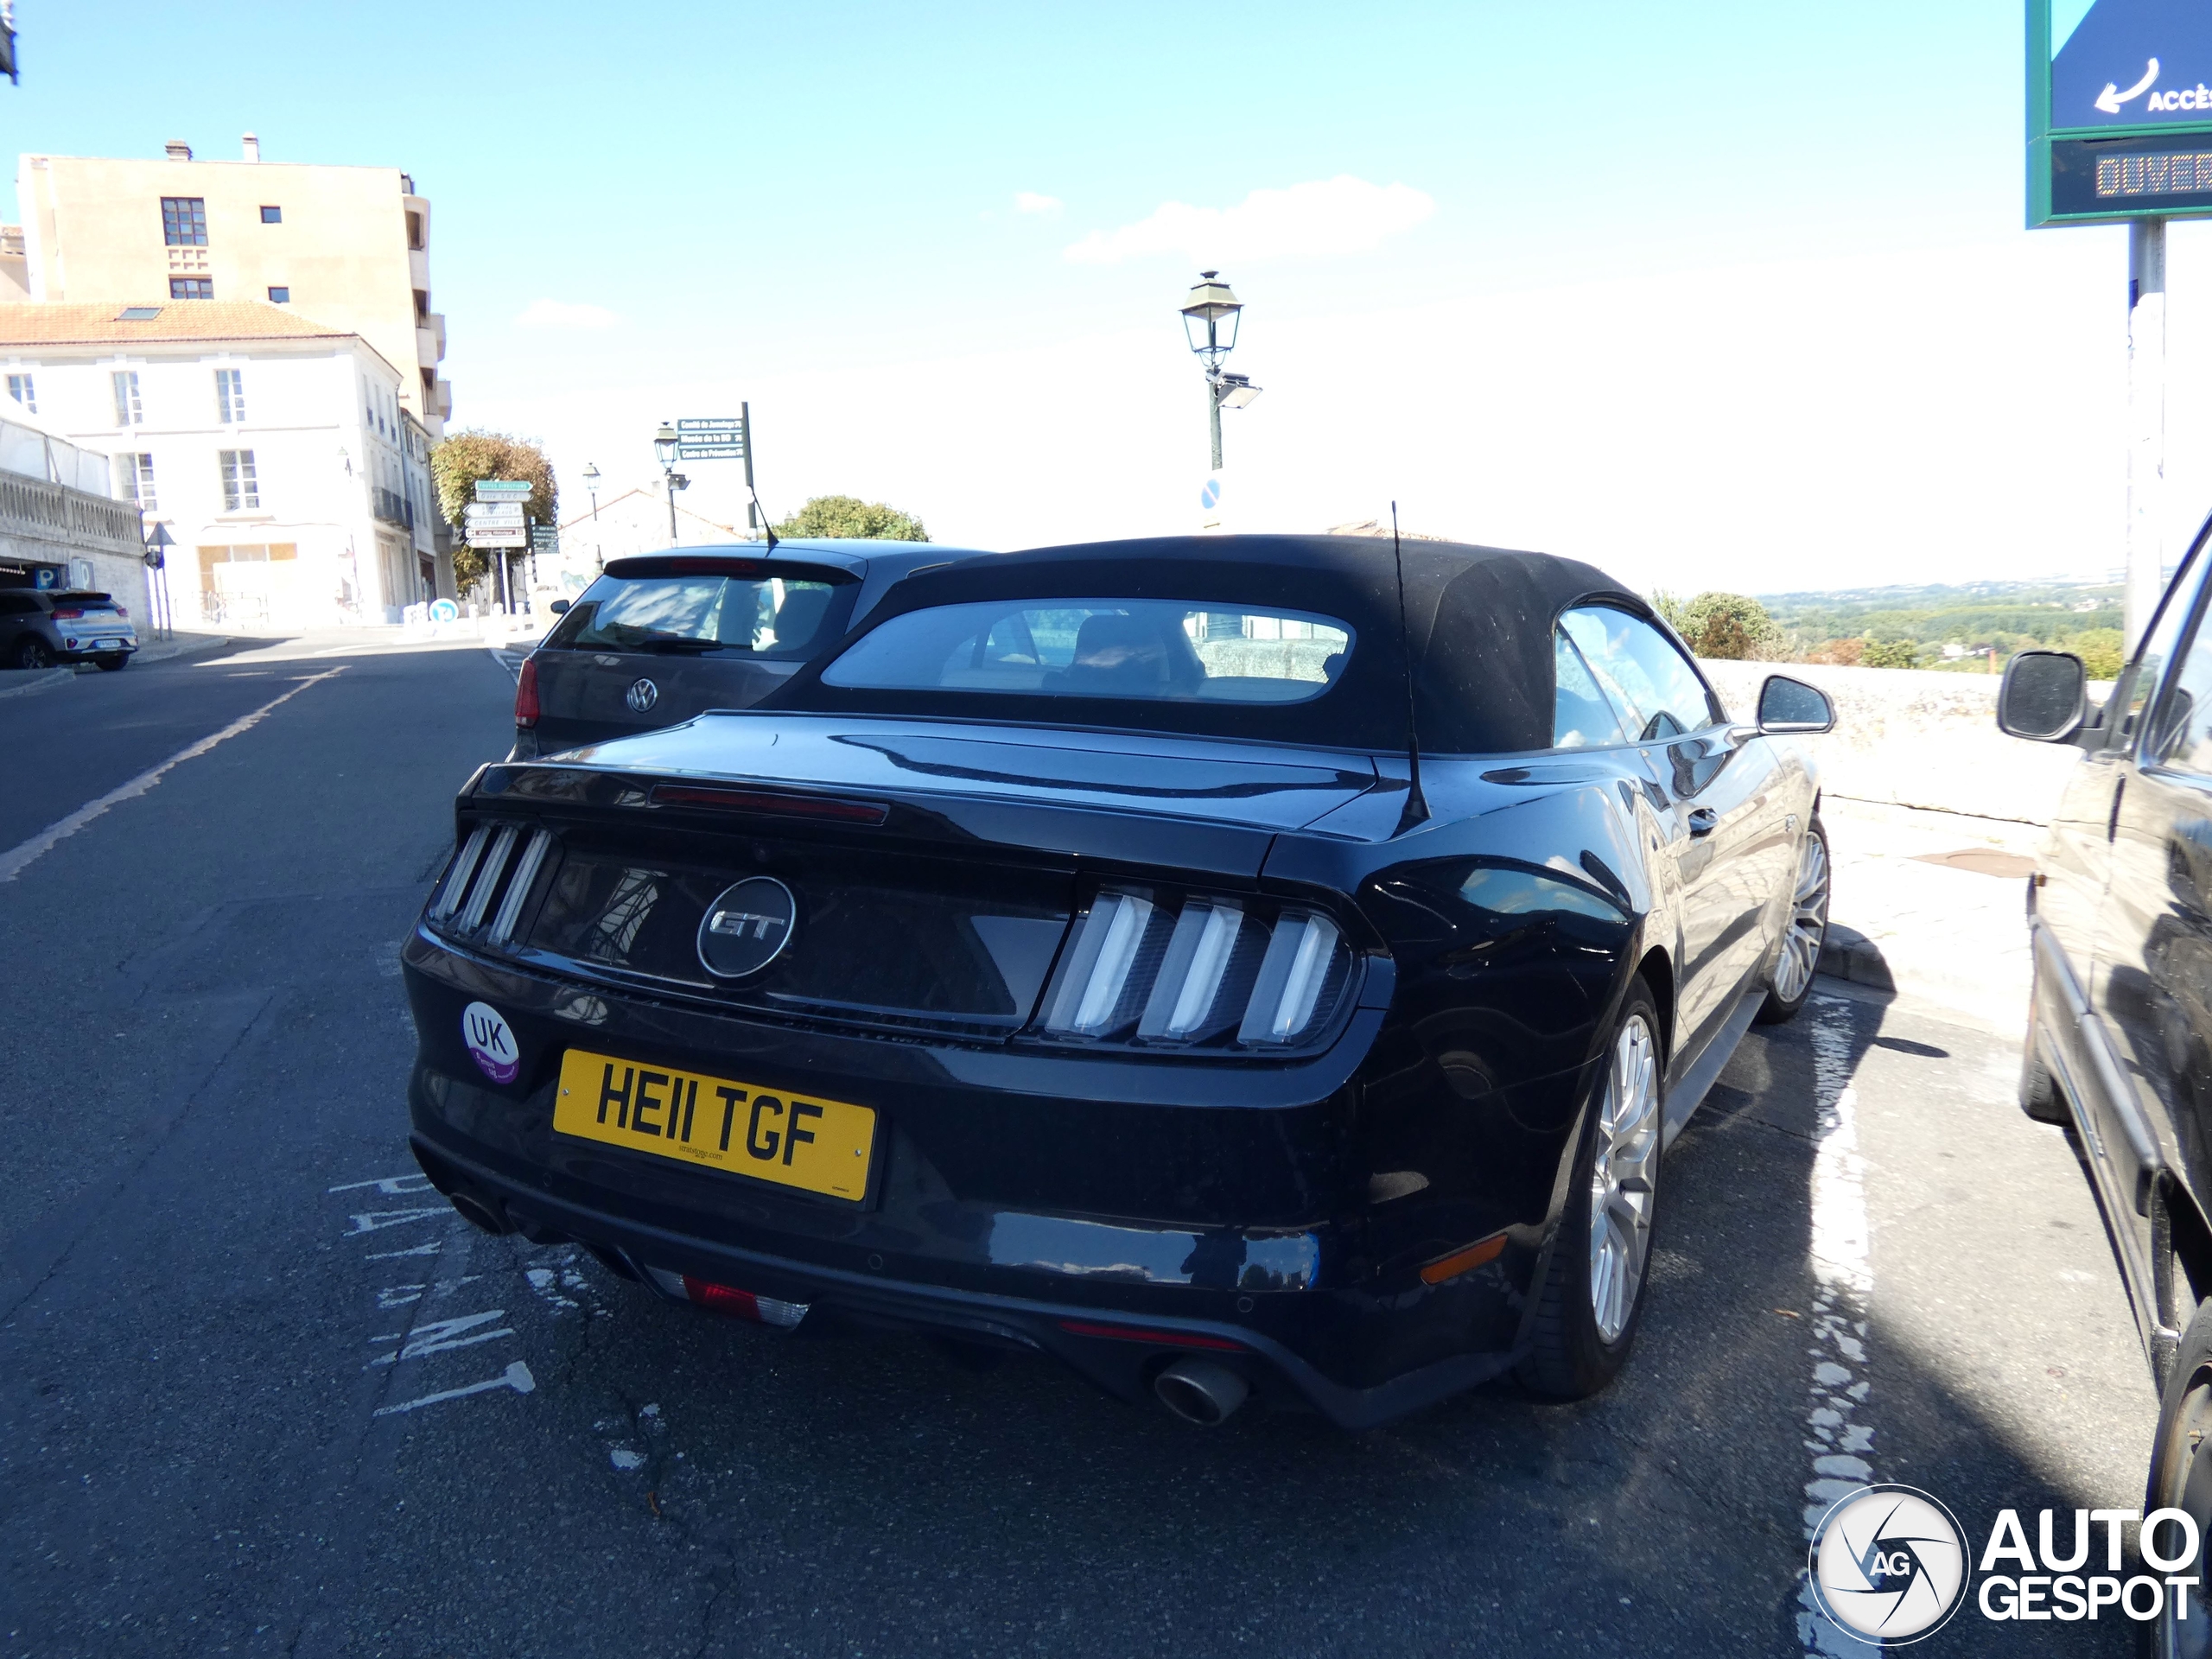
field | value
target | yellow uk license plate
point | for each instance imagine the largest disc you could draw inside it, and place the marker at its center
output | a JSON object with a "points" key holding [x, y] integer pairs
{"points": [[802, 1140]]}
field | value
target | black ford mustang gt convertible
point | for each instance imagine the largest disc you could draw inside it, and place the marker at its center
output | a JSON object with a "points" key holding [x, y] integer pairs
{"points": [[1254, 966]]}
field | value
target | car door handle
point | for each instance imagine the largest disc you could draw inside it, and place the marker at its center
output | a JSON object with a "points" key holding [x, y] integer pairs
{"points": [[1703, 820]]}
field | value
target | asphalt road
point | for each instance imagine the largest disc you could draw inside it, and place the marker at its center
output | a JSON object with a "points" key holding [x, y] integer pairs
{"points": [[260, 1392]]}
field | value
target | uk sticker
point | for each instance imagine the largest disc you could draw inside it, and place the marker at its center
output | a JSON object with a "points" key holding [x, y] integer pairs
{"points": [[490, 1042]]}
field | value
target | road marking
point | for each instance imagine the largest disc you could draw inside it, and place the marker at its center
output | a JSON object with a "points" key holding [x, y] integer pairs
{"points": [[375, 1220], [516, 1377], [14, 862], [1843, 1286], [392, 1187], [440, 1334], [431, 1248]]}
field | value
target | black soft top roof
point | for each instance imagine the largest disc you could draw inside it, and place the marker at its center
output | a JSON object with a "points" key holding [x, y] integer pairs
{"points": [[1480, 620]]}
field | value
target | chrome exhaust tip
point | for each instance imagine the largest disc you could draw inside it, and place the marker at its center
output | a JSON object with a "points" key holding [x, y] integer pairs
{"points": [[1200, 1391], [479, 1213]]}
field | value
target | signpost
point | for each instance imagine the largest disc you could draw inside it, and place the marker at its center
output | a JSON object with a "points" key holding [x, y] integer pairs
{"points": [[497, 519], [2120, 130], [722, 439]]}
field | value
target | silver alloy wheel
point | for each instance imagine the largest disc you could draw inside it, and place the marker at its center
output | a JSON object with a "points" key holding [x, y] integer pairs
{"points": [[1621, 1188], [1808, 922]]}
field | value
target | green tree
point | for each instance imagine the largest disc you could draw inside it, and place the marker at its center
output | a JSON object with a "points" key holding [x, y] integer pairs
{"points": [[466, 457], [1733, 627], [847, 516], [2099, 649], [1889, 653]]}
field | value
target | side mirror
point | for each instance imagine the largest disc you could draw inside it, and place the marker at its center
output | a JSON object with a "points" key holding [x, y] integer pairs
{"points": [[1787, 705], [560, 608], [2044, 697]]}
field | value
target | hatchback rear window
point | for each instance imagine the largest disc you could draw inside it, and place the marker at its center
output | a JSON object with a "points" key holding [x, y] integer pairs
{"points": [[762, 616], [1162, 650]]}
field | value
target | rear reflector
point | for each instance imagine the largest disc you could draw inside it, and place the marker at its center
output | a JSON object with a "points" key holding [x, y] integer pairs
{"points": [[526, 692], [743, 1303], [770, 805], [1465, 1260], [1157, 1338]]}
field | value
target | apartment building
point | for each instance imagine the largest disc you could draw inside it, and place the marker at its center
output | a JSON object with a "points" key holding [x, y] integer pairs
{"points": [[344, 247], [280, 452]]}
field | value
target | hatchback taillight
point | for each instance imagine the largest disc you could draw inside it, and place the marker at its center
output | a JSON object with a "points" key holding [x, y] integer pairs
{"points": [[1146, 969], [526, 692], [66, 616]]}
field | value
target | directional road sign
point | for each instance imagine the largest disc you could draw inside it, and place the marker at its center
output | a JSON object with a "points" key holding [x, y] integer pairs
{"points": [[493, 512], [544, 539], [2120, 111], [499, 536], [502, 489], [715, 439]]}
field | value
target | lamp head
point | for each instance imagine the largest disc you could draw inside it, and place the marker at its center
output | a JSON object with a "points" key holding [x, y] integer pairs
{"points": [[1210, 317], [664, 442]]}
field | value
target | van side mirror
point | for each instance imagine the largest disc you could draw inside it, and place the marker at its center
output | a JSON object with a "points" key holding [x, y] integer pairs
{"points": [[1787, 705], [560, 608], [2044, 697]]}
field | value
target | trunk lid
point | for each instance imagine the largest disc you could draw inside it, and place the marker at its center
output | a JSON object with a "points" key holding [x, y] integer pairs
{"points": [[932, 867]]}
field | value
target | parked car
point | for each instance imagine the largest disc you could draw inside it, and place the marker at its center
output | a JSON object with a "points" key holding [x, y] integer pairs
{"points": [[40, 627], [2119, 1028], [1148, 954], [661, 637]]}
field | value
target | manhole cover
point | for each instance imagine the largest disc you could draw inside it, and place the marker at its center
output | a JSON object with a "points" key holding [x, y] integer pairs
{"points": [[1982, 860]]}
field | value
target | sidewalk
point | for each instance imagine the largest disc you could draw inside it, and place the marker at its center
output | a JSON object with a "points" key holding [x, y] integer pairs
{"points": [[1932, 905]]}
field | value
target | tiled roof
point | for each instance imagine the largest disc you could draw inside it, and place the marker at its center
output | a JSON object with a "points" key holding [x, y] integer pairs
{"points": [[68, 322]]}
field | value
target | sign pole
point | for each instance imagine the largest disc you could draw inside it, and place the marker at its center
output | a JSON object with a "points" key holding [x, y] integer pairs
{"points": [[752, 496], [2146, 421]]}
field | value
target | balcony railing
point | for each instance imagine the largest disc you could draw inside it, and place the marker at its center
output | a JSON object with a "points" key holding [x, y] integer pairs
{"points": [[393, 507], [32, 506]]}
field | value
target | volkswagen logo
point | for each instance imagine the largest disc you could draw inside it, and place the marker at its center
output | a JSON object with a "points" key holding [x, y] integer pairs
{"points": [[641, 696], [746, 928]]}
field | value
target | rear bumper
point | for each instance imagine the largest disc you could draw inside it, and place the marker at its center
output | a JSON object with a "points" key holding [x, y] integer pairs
{"points": [[1011, 1194], [1269, 1359], [79, 649]]}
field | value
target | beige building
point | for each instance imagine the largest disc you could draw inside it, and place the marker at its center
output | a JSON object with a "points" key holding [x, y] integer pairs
{"points": [[345, 248]]}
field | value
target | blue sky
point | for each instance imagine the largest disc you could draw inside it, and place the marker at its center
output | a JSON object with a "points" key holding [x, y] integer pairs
{"points": [[816, 207]]}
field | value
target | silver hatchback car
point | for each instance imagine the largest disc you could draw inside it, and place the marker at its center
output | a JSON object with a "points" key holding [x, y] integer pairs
{"points": [[40, 627]]}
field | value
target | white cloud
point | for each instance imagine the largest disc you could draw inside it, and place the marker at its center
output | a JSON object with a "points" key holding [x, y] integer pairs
{"points": [[561, 314], [1316, 219], [1028, 201]]}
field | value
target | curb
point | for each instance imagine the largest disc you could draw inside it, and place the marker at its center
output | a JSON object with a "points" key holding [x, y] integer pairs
{"points": [[34, 680], [170, 650]]}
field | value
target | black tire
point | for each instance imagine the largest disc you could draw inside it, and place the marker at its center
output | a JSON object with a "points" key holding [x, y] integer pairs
{"points": [[1572, 1356], [2181, 1478], [2039, 1096], [1813, 868], [31, 652], [114, 661]]}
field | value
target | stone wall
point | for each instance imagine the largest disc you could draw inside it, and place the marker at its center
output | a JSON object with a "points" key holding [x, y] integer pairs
{"points": [[45, 522], [1911, 737]]}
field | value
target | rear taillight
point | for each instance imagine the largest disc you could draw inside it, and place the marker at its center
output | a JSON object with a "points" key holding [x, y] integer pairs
{"points": [[66, 616], [526, 692], [1146, 969], [122, 610]]}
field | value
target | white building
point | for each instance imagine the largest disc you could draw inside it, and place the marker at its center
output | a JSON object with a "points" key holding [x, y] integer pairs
{"points": [[294, 485]]}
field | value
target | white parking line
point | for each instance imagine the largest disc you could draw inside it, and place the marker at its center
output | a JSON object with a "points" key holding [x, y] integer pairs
{"points": [[1843, 1285], [14, 862]]}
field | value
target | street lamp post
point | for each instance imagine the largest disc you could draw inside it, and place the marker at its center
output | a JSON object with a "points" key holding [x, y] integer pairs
{"points": [[1210, 323], [591, 487], [666, 443]]}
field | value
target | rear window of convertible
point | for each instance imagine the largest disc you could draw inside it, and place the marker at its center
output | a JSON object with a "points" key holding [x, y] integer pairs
{"points": [[1170, 651]]}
